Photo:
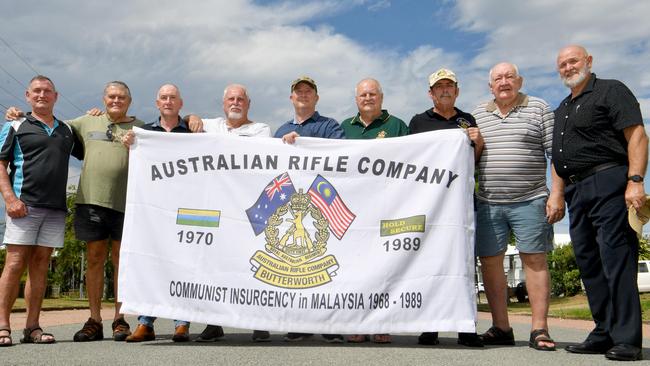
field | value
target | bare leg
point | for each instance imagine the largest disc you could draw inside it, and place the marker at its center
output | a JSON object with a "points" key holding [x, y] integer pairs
{"points": [[15, 264], [115, 258], [97, 254], [538, 286], [35, 287], [495, 284]]}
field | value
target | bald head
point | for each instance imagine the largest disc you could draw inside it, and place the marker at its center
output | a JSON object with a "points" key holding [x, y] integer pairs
{"points": [[236, 104], [169, 102], [369, 97], [574, 67]]}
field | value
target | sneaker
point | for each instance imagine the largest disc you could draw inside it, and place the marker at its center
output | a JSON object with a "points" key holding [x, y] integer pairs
{"points": [[91, 331], [211, 333], [428, 338], [261, 336], [333, 338], [470, 340], [296, 337], [121, 330], [496, 336]]}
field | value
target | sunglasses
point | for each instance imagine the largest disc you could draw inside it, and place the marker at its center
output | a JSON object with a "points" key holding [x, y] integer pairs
{"points": [[109, 132]]}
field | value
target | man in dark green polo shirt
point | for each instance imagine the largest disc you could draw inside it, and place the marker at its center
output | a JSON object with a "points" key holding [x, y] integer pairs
{"points": [[372, 122]]}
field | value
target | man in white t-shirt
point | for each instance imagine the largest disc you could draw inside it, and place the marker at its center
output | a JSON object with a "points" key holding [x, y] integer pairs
{"points": [[236, 103]]}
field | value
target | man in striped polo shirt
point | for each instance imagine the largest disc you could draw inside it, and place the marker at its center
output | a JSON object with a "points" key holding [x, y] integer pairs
{"points": [[513, 198]]}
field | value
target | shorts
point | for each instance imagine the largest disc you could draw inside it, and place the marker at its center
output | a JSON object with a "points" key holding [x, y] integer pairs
{"points": [[92, 223], [526, 220], [42, 226]]}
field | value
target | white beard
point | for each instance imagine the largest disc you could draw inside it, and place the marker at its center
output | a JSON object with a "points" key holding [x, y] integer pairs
{"points": [[576, 79], [235, 115]]}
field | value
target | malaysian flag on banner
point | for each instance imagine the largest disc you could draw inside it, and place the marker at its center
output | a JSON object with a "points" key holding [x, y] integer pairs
{"points": [[276, 193], [325, 197]]}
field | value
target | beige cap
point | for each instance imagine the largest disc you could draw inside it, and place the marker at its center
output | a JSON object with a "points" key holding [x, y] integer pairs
{"points": [[640, 217], [442, 74], [304, 79]]}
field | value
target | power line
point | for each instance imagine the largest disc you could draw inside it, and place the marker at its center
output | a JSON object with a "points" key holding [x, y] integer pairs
{"points": [[13, 77], [13, 95], [34, 70]]}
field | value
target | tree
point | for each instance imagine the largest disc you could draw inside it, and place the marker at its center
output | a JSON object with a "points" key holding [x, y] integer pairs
{"points": [[565, 276], [67, 273]]}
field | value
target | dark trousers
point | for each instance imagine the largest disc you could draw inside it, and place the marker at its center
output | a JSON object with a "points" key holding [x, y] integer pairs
{"points": [[607, 252]]}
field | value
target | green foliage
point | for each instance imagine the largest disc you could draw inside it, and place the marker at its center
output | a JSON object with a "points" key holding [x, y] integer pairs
{"points": [[644, 248], [565, 276], [68, 260]]}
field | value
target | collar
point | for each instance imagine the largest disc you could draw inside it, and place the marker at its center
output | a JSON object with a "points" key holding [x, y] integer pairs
{"points": [[434, 114], [314, 117], [181, 123], [588, 88], [381, 119], [31, 118], [521, 101]]}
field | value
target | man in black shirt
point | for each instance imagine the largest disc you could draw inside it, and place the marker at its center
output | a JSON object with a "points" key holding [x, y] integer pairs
{"points": [[443, 91], [37, 148], [169, 103], [600, 149]]}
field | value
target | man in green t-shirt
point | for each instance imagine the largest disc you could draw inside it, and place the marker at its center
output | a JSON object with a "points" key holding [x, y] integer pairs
{"points": [[372, 122], [101, 200]]}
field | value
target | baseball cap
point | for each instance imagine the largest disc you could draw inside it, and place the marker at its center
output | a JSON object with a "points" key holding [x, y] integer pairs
{"points": [[640, 217], [304, 79], [442, 74]]}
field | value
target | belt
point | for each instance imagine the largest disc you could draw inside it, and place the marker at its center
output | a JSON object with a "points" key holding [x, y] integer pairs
{"points": [[575, 178]]}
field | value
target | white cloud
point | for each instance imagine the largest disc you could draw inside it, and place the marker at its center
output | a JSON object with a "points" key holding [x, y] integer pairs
{"points": [[202, 46]]}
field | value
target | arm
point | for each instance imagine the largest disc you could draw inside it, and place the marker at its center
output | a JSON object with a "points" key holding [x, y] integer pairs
{"points": [[194, 122], [637, 153], [475, 135], [13, 113], [15, 207], [290, 138], [555, 201]]}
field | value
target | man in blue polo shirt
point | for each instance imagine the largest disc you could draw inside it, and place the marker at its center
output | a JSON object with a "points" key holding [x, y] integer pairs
{"points": [[308, 122], [37, 148]]}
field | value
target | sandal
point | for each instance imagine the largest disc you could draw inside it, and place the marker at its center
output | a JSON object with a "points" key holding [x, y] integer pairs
{"points": [[29, 338], [8, 336], [541, 335], [497, 336], [357, 338], [381, 338]]}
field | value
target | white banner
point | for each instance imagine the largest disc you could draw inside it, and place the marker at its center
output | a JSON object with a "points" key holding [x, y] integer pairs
{"points": [[323, 236]]}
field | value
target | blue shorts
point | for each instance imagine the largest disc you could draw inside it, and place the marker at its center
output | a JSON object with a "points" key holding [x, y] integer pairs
{"points": [[526, 220]]}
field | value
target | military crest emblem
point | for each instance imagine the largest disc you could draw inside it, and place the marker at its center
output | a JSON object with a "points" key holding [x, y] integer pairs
{"points": [[297, 227]]}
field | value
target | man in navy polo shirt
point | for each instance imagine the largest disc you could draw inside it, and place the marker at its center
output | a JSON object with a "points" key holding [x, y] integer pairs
{"points": [[308, 122], [37, 148], [169, 103]]}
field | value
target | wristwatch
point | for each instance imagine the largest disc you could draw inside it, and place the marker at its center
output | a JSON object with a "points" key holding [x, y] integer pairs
{"points": [[635, 178]]}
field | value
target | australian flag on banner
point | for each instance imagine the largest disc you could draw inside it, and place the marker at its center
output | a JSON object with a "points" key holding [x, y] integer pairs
{"points": [[325, 197], [276, 193]]}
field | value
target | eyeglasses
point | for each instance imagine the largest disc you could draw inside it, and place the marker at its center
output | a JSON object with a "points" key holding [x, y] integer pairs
{"points": [[109, 132]]}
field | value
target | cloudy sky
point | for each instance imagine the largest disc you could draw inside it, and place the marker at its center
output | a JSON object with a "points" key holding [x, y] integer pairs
{"points": [[203, 45]]}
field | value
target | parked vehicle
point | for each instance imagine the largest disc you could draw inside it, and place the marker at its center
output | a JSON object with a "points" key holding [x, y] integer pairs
{"points": [[643, 276]]}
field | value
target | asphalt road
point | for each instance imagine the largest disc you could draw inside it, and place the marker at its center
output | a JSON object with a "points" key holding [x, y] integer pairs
{"points": [[236, 348]]}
